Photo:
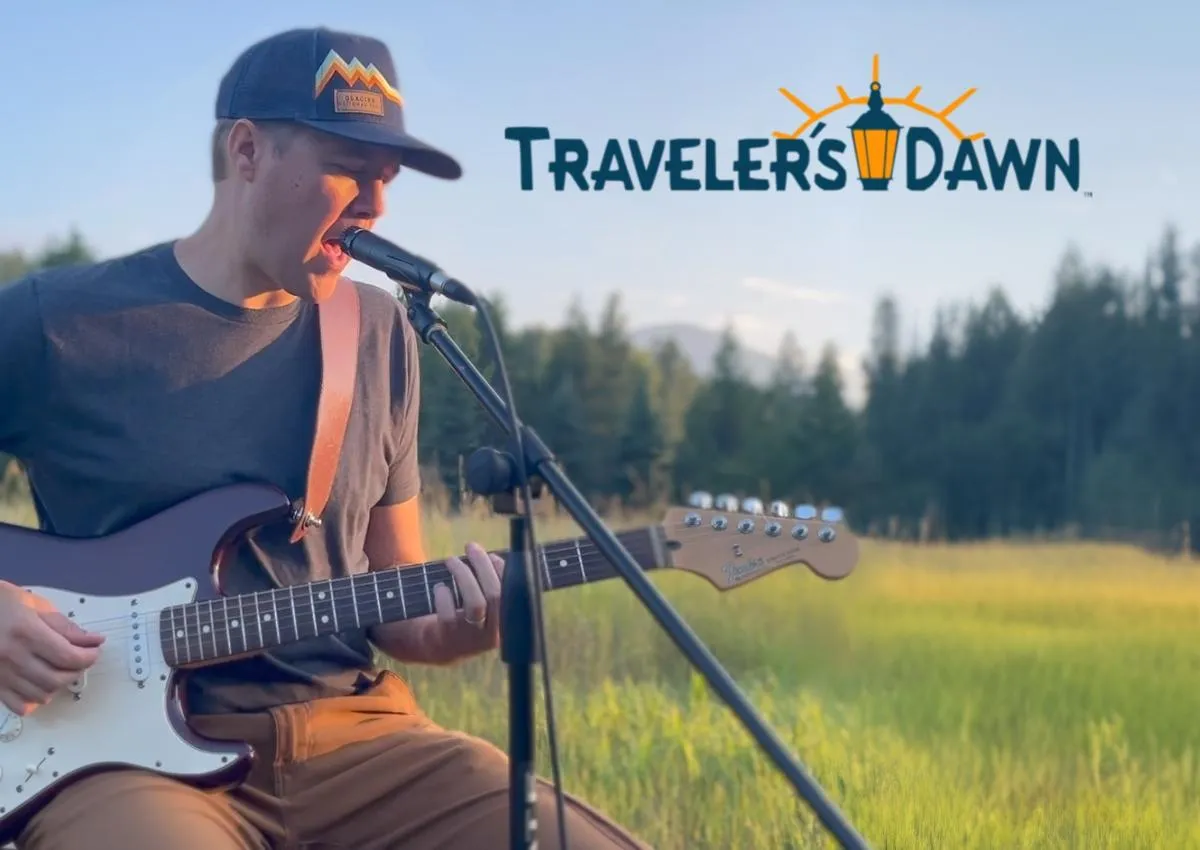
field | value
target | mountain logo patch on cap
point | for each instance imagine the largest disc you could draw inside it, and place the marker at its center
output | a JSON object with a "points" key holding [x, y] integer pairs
{"points": [[353, 72]]}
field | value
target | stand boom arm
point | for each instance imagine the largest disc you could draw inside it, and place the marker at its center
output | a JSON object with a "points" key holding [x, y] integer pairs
{"points": [[538, 459]]}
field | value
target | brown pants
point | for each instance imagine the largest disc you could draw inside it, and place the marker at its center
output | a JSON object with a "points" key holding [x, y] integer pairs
{"points": [[350, 773]]}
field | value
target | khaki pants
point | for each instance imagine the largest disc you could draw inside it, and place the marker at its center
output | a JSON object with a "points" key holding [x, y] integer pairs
{"points": [[361, 772]]}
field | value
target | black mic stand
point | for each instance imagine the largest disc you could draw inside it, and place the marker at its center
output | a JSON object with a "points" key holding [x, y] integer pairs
{"points": [[493, 474], [539, 461]]}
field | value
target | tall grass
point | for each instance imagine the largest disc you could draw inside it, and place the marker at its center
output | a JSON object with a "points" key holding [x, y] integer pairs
{"points": [[986, 696]]}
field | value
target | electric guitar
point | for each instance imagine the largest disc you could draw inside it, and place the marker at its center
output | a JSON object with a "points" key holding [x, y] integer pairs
{"points": [[154, 590]]}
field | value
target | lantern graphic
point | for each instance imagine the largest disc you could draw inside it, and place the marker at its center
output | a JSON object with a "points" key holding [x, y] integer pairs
{"points": [[876, 136]]}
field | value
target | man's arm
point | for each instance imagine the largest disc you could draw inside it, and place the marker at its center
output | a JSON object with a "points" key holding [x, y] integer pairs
{"points": [[451, 633], [394, 535], [395, 538]]}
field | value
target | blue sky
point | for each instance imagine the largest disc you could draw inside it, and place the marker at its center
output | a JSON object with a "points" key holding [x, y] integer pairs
{"points": [[109, 105]]}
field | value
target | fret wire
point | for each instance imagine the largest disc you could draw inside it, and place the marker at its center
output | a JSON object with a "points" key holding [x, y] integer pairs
{"points": [[187, 631], [243, 626], [212, 626], [312, 600], [400, 591], [175, 612], [199, 656], [258, 622], [228, 634], [212, 622]]}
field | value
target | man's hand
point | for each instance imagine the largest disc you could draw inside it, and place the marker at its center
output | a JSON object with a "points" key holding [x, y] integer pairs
{"points": [[41, 651], [394, 537], [476, 627]]}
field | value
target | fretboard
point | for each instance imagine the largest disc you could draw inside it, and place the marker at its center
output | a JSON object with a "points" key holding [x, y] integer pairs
{"points": [[218, 628]]}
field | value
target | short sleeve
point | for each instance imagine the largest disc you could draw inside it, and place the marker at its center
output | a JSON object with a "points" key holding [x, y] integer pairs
{"points": [[404, 474], [22, 365]]}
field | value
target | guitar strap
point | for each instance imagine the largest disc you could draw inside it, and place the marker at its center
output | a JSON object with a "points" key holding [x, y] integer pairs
{"points": [[338, 319]]}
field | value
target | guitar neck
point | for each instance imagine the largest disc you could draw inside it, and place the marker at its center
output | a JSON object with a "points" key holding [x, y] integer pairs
{"points": [[203, 632]]}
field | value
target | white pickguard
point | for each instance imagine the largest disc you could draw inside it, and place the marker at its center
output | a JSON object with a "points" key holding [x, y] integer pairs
{"points": [[110, 719]]}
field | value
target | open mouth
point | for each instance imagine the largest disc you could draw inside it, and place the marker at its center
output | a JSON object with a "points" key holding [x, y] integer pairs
{"points": [[333, 249]]}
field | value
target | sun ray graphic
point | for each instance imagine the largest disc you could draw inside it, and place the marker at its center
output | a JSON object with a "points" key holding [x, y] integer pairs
{"points": [[812, 116]]}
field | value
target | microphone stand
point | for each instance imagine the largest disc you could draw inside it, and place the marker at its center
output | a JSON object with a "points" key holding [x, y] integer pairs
{"points": [[493, 474], [540, 463]]}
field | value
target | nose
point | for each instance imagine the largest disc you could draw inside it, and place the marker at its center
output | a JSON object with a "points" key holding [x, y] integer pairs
{"points": [[369, 203]]}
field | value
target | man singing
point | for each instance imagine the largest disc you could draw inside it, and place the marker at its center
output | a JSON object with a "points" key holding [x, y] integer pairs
{"points": [[130, 385]]}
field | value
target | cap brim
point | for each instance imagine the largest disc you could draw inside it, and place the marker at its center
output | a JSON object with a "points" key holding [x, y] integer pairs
{"points": [[415, 154]]}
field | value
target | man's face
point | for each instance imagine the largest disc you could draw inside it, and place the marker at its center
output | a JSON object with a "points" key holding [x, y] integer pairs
{"points": [[305, 193]]}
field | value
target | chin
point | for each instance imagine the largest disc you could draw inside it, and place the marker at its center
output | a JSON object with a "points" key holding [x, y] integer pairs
{"points": [[315, 284]]}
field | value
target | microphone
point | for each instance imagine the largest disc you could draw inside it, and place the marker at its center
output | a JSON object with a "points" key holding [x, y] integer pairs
{"points": [[409, 270]]}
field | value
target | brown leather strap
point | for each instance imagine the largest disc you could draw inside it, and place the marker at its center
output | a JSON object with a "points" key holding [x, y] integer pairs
{"points": [[339, 319]]}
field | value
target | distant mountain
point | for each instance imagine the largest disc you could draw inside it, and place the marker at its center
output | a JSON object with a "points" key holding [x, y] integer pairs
{"points": [[700, 345]]}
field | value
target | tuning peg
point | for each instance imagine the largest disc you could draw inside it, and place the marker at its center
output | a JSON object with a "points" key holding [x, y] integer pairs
{"points": [[701, 499], [805, 512], [727, 502], [752, 505], [779, 508], [832, 514]]}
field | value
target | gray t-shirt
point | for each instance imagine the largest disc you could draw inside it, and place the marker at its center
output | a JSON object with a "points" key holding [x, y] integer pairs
{"points": [[126, 388]]}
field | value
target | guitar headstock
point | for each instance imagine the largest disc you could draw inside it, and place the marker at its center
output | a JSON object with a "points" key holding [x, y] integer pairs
{"points": [[730, 543]]}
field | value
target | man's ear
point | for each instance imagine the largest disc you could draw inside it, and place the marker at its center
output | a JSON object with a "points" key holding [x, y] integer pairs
{"points": [[245, 149]]}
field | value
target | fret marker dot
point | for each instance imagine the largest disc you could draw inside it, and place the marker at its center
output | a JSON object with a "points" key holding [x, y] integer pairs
{"points": [[563, 562], [321, 595], [266, 618], [179, 633], [234, 623], [390, 594], [204, 629], [324, 618]]}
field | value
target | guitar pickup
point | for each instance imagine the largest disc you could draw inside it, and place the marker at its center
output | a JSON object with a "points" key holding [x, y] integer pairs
{"points": [[139, 668]]}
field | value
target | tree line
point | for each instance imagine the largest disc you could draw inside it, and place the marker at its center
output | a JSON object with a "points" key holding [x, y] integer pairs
{"points": [[1080, 419]]}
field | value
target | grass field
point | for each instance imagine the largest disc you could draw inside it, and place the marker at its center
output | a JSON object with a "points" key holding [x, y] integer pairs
{"points": [[989, 696]]}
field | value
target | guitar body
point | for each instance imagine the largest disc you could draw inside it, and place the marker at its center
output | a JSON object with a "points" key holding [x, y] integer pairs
{"points": [[126, 711]]}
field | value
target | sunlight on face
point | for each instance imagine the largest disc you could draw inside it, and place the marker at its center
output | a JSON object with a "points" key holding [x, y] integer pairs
{"points": [[310, 190]]}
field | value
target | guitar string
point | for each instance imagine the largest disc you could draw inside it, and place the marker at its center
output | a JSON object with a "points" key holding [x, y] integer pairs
{"points": [[346, 598], [409, 581], [342, 589], [306, 608], [108, 663]]}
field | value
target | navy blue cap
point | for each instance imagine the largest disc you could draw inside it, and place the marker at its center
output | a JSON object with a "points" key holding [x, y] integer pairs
{"points": [[335, 82]]}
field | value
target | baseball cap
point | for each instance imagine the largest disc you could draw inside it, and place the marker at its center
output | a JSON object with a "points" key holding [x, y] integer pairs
{"points": [[336, 82]]}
